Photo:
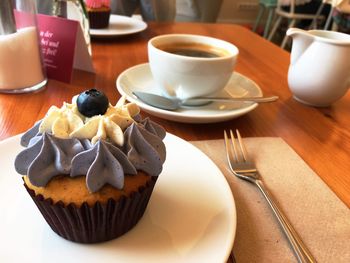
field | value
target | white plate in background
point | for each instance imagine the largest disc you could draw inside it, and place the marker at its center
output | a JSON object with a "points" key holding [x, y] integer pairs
{"points": [[119, 26]]}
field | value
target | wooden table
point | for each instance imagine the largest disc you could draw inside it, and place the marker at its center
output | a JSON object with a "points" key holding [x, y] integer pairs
{"points": [[320, 136]]}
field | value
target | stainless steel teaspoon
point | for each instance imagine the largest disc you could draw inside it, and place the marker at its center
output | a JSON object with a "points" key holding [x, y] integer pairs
{"points": [[165, 103]]}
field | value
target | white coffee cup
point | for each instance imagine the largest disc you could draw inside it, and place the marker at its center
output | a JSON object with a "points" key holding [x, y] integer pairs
{"points": [[190, 75]]}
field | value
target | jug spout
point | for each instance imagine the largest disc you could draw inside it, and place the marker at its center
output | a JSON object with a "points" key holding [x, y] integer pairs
{"points": [[301, 41]]}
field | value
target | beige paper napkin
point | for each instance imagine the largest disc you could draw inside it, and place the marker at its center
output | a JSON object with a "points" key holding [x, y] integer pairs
{"points": [[318, 215]]}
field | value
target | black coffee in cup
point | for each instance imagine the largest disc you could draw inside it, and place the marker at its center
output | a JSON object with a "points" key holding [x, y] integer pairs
{"points": [[194, 50]]}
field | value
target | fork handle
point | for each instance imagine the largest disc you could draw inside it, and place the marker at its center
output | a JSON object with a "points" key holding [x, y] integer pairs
{"points": [[301, 251]]}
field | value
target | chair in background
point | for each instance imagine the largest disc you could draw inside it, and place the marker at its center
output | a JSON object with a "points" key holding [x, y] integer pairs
{"points": [[293, 17], [341, 17], [270, 6], [339, 10], [319, 11]]}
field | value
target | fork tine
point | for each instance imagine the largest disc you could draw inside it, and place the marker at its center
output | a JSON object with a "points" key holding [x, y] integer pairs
{"points": [[228, 147], [231, 148], [226, 140], [241, 146], [234, 146]]}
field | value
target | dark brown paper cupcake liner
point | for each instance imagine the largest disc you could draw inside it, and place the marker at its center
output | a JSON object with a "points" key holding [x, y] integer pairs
{"points": [[98, 19], [99, 223]]}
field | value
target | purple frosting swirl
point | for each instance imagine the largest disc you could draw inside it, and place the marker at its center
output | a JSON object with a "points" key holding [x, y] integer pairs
{"points": [[145, 150], [47, 156], [103, 163]]}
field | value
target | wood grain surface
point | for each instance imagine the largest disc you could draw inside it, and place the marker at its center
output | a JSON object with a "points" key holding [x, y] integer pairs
{"points": [[319, 135]]}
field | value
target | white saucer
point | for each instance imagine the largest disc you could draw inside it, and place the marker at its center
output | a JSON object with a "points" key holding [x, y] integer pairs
{"points": [[139, 78], [120, 26]]}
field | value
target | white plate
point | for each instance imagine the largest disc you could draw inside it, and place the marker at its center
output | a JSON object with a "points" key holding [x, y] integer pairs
{"points": [[139, 78], [120, 26], [191, 217]]}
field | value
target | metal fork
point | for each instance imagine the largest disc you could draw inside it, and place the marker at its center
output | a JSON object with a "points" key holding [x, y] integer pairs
{"points": [[244, 169]]}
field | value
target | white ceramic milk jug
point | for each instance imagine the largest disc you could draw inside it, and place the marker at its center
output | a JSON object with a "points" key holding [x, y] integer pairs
{"points": [[319, 71]]}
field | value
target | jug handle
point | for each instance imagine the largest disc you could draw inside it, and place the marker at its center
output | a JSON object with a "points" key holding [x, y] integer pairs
{"points": [[301, 41]]}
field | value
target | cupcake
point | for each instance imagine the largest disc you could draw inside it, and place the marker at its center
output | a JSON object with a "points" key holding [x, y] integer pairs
{"points": [[99, 12], [91, 167]]}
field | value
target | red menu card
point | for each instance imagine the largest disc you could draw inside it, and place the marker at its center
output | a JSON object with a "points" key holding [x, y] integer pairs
{"points": [[63, 47]]}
